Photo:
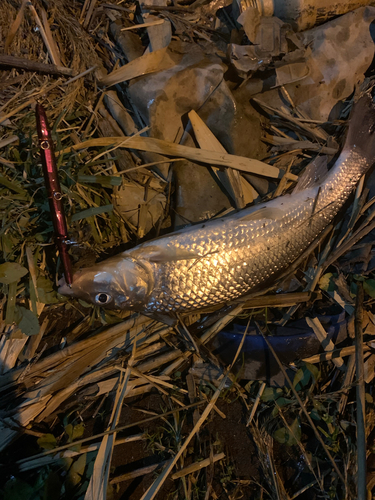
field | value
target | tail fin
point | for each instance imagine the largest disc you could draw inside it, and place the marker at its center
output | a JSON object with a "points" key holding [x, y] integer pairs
{"points": [[361, 133]]}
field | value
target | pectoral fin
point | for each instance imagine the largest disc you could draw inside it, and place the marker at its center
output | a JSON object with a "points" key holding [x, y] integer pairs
{"points": [[313, 175]]}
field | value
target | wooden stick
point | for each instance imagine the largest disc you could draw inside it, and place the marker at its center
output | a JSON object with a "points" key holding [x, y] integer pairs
{"points": [[323, 338], [198, 466], [52, 44], [90, 10], [347, 384], [350, 242], [43, 33], [83, 345], [304, 410], [111, 431], [28, 65], [168, 148], [136, 473], [158, 8], [326, 356], [281, 300], [360, 396], [84, 73], [83, 11], [256, 402], [143, 25], [15, 25]]}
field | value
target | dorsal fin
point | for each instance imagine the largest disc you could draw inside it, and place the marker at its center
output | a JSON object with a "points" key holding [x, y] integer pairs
{"points": [[313, 174], [272, 213], [156, 253]]}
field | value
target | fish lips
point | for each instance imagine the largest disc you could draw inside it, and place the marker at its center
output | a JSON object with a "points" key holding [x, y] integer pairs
{"points": [[64, 288]]}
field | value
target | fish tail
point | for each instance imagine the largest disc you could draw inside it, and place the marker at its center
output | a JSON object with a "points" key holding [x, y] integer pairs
{"points": [[361, 133]]}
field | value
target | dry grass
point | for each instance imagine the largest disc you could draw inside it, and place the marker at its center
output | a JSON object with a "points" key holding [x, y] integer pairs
{"points": [[79, 353]]}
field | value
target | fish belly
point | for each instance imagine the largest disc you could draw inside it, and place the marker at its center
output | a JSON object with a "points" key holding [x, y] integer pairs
{"points": [[233, 259]]}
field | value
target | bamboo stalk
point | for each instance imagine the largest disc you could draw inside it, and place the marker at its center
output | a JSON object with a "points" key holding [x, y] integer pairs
{"points": [[322, 336], [303, 408], [350, 370], [90, 11], [19, 108], [34, 341], [256, 403], [15, 25], [170, 149], [143, 25], [155, 487], [52, 44], [350, 242], [137, 473], [11, 303], [198, 466], [281, 300], [360, 396], [111, 431], [48, 460], [43, 33], [84, 73], [326, 356], [145, 64], [57, 357]]}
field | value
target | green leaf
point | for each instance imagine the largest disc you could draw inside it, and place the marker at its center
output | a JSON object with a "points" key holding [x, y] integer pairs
{"points": [[76, 472], [52, 486], [301, 378], [16, 489], [369, 288], [314, 414], [74, 432], [26, 320], [284, 401], [279, 403], [353, 289], [369, 398], [359, 277], [289, 437], [314, 370], [103, 180], [12, 185], [327, 282], [46, 293], [271, 393], [47, 442], [324, 433], [91, 212], [304, 374], [11, 272]]}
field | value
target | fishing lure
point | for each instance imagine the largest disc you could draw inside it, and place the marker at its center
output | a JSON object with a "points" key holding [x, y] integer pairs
{"points": [[47, 154]]}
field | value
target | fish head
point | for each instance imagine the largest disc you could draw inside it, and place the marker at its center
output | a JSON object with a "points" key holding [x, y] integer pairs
{"points": [[116, 283]]}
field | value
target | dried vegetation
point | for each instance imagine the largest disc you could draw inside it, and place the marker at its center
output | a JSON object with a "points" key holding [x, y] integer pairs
{"points": [[69, 370]]}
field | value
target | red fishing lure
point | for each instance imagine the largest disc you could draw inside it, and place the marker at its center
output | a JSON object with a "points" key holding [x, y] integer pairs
{"points": [[54, 194]]}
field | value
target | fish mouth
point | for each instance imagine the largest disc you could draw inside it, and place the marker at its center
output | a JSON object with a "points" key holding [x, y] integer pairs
{"points": [[64, 288]]}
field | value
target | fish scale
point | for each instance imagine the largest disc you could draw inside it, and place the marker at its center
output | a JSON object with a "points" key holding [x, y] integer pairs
{"points": [[182, 287], [224, 259]]}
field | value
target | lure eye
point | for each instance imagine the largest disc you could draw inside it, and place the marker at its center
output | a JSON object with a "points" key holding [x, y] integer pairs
{"points": [[102, 298]]}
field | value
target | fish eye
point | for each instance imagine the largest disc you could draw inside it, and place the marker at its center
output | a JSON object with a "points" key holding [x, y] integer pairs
{"points": [[102, 298]]}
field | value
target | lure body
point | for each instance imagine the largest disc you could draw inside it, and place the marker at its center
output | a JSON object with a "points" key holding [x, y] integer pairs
{"points": [[221, 260], [51, 179]]}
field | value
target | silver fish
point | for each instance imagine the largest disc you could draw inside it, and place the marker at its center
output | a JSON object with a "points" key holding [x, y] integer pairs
{"points": [[221, 260]]}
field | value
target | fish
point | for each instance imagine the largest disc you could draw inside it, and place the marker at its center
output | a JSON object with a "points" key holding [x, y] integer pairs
{"points": [[221, 260]]}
